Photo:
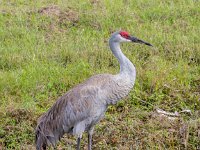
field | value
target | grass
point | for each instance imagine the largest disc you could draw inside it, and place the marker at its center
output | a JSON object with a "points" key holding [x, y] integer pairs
{"points": [[44, 52]]}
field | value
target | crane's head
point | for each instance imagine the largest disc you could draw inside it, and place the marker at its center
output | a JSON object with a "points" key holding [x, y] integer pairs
{"points": [[123, 36]]}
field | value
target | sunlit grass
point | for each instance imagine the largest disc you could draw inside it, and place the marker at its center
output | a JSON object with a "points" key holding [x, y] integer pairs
{"points": [[44, 54]]}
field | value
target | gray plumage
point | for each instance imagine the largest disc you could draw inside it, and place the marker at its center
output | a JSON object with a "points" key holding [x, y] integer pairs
{"points": [[84, 106]]}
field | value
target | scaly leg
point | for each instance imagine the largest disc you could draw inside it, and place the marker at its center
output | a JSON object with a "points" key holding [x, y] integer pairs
{"points": [[78, 143], [90, 132], [78, 130]]}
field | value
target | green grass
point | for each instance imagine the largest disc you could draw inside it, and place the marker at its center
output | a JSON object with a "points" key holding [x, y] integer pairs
{"points": [[42, 55]]}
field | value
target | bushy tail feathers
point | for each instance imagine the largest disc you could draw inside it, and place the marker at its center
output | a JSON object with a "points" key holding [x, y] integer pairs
{"points": [[40, 139]]}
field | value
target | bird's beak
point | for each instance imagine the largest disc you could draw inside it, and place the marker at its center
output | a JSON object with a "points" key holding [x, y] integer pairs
{"points": [[136, 40]]}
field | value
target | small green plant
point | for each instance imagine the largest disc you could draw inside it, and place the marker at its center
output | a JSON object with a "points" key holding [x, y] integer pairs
{"points": [[48, 47]]}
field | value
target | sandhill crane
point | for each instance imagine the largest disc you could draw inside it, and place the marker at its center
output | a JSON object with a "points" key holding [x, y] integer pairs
{"points": [[84, 106]]}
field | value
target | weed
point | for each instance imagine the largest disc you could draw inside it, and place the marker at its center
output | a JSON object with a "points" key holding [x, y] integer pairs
{"points": [[47, 47]]}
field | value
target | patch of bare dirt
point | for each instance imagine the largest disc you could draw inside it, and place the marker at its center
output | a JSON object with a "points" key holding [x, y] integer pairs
{"points": [[95, 2], [55, 11], [21, 114]]}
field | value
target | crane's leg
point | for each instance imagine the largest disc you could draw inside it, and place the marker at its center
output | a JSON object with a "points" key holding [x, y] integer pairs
{"points": [[90, 132], [78, 130], [78, 143]]}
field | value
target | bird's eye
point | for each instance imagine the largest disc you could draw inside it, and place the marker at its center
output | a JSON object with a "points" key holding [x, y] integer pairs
{"points": [[124, 34]]}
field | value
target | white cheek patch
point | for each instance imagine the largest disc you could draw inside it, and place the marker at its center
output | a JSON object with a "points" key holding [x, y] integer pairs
{"points": [[122, 39]]}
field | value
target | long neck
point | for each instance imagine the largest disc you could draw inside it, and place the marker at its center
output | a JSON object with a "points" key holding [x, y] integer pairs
{"points": [[126, 66]]}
